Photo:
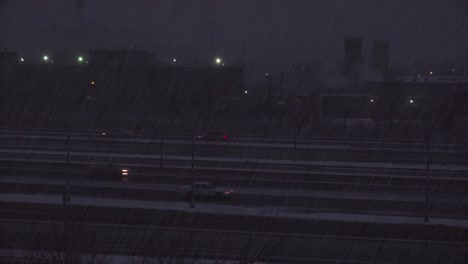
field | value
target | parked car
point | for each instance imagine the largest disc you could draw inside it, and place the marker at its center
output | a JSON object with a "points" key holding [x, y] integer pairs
{"points": [[212, 136], [206, 189], [110, 172]]}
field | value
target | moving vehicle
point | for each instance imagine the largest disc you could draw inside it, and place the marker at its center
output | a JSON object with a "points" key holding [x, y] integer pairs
{"points": [[207, 190], [110, 172], [117, 134], [212, 136]]}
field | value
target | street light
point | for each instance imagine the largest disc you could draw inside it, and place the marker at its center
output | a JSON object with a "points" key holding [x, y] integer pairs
{"points": [[22, 59], [80, 59], [218, 60], [45, 58]]}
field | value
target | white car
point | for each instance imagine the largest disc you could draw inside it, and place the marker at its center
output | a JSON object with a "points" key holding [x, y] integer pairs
{"points": [[206, 189]]}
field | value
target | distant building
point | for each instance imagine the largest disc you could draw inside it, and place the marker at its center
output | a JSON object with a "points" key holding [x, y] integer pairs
{"points": [[54, 93], [61, 58], [8, 57], [120, 57], [353, 52], [380, 55]]}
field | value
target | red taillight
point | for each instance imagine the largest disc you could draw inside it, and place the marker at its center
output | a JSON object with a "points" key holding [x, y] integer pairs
{"points": [[224, 137]]}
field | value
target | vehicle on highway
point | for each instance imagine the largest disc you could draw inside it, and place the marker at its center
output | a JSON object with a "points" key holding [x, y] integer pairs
{"points": [[117, 134], [110, 172], [207, 190], [212, 136]]}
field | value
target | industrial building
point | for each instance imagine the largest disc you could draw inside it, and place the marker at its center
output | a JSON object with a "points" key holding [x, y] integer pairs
{"points": [[113, 85]]}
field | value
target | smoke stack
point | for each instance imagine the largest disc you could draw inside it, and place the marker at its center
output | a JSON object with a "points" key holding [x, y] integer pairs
{"points": [[380, 58], [79, 4], [353, 52]]}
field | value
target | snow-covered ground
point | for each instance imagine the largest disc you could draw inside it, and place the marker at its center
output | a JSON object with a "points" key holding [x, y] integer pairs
{"points": [[268, 211], [113, 259]]}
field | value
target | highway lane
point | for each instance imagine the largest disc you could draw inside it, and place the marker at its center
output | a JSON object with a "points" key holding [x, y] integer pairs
{"points": [[301, 180], [320, 174], [413, 143], [326, 179], [245, 162], [441, 205], [377, 173], [273, 150], [274, 174]]}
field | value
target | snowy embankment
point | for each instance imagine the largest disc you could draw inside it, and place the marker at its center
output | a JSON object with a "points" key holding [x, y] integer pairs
{"points": [[276, 212]]}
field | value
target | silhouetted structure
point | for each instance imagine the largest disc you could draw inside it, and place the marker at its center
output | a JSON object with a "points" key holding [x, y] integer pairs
{"points": [[380, 55], [353, 52], [8, 57], [62, 58], [112, 92], [120, 57]]}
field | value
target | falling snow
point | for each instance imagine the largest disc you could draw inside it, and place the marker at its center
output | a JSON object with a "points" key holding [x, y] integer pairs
{"points": [[233, 131]]}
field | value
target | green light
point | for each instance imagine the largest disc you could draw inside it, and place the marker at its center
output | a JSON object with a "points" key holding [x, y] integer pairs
{"points": [[46, 58], [80, 59]]}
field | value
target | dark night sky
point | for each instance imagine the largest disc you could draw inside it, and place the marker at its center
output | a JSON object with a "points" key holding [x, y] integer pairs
{"points": [[421, 31]]}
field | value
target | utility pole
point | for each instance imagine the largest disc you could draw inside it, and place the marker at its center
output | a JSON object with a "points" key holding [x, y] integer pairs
{"points": [[68, 162], [269, 96], [428, 149], [66, 189], [192, 197], [243, 54], [295, 144], [269, 89], [212, 40], [65, 201], [281, 87], [162, 144]]}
